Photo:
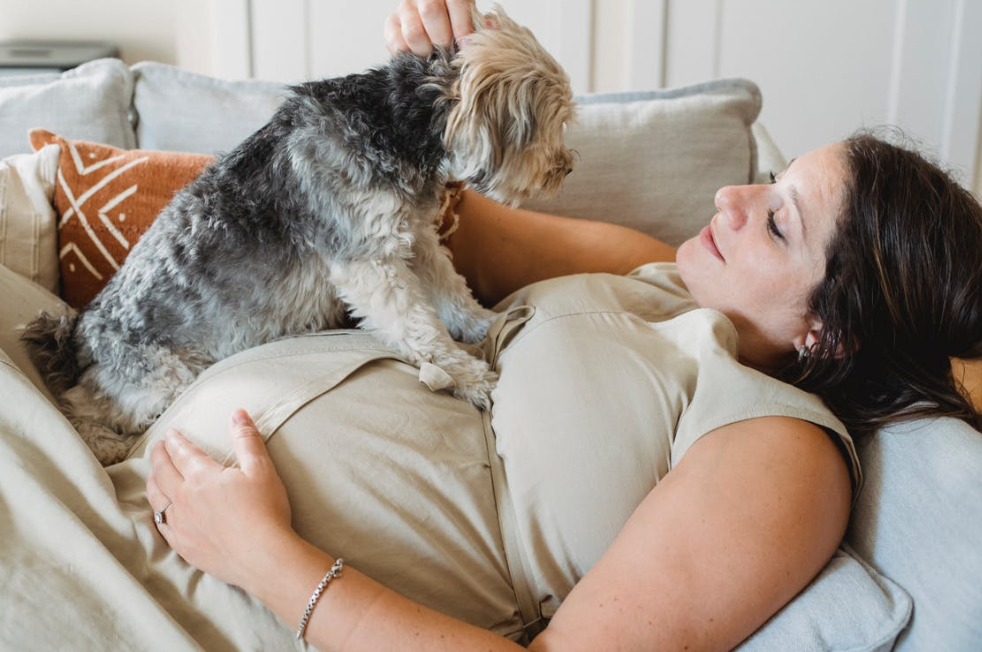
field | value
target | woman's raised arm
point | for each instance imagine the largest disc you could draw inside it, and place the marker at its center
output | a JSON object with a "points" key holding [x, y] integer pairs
{"points": [[499, 249]]}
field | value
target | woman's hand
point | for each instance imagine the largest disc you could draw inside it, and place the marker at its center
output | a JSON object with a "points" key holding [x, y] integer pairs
{"points": [[418, 25], [222, 520]]}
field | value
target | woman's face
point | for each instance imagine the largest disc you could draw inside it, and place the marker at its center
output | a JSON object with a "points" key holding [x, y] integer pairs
{"points": [[764, 252]]}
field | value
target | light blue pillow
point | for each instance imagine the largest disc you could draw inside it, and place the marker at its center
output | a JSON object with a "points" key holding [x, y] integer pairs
{"points": [[182, 111], [849, 607], [919, 520], [91, 102]]}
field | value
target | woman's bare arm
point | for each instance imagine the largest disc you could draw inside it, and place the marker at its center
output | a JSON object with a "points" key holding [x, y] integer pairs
{"points": [[499, 249], [748, 517]]}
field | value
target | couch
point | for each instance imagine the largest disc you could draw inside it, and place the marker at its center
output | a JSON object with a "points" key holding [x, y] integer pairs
{"points": [[908, 577]]}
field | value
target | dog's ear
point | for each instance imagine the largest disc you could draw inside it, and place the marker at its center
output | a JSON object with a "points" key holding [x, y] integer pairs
{"points": [[500, 72], [494, 20]]}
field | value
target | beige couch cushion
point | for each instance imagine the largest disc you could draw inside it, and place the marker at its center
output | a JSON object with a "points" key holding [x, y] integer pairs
{"points": [[28, 232], [91, 102], [22, 300]]}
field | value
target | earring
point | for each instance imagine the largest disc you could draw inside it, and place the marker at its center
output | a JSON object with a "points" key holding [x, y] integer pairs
{"points": [[803, 353]]}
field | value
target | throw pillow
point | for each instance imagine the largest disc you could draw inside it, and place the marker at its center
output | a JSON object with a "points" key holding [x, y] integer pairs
{"points": [[28, 237], [654, 160], [182, 111], [90, 102], [105, 199]]}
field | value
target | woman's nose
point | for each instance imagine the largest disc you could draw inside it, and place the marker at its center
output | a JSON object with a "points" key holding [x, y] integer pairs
{"points": [[734, 204]]}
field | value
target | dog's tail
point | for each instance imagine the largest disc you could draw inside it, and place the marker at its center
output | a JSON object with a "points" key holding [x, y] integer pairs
{"points": [[50, 341]]}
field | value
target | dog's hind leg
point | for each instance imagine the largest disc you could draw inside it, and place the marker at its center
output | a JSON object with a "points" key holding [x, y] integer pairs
{"points": [[115, 402], [388, 298], [86, 410], [465, 318]]}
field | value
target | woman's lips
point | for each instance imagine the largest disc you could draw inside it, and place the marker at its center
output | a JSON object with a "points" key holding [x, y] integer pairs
{"points": [[709, 242]]}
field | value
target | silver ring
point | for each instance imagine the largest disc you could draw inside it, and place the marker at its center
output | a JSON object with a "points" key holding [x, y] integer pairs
{"points": [[158, 517]]}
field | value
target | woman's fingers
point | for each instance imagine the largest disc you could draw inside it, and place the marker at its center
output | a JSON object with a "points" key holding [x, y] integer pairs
{"points": [[164, 476], [418, 25], [155, 495], [411, 29], [247, 443], [436, 22], [185, 457], [460, 12], [393, 35]]}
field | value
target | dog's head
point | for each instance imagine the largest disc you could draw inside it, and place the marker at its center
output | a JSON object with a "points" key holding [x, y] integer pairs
{"points": [[513, 103]]}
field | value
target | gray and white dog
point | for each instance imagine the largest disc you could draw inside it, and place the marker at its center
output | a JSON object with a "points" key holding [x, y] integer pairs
{"points": [[329, 210]]}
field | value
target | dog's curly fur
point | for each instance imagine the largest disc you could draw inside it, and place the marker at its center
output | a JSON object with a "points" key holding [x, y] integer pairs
{"points": [[326, 212]]}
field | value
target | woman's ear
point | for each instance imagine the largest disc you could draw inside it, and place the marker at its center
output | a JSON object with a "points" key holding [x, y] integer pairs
{"points": [[811, 339]]}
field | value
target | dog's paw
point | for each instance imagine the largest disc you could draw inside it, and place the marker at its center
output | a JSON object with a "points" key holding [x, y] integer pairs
{"points": [[108, 446], [473, 382], [467, 377], [479, 393]]}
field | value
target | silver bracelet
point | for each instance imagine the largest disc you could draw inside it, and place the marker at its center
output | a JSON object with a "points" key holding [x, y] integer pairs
{"points": [[331, 574]]}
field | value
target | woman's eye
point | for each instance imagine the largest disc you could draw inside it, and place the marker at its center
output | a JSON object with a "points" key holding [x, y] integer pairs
{"points": [[772, 226]]}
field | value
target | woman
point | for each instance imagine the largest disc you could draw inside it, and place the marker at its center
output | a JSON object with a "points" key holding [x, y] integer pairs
{"points": [[831, 278]]}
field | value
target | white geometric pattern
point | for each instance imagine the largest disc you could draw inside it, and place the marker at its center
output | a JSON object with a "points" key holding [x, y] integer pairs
{"points": [[102, 212], [71, 247]]}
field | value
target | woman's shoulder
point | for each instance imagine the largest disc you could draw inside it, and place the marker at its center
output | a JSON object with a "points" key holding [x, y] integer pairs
{"points": [[727, 392]]}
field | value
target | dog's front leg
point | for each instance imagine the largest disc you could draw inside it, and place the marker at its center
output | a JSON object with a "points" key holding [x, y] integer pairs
{"points": [[464, 317], [388, 298]]}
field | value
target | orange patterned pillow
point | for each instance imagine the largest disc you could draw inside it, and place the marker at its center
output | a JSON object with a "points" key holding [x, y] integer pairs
{"points": [[106, 198]]}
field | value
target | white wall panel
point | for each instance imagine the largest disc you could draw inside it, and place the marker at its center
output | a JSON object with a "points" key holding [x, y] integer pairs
{"points": [[923, 58], [691, 41], [823, 68], [231, 47], [828, 68], [346, 41], [961, 129], [646, 59], [296, 40], [279, 39]]}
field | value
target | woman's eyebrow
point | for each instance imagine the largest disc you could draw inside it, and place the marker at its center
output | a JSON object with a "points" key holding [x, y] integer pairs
{"points": [[793, 193]]}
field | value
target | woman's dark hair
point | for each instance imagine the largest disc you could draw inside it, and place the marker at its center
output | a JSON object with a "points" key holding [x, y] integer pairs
{"points": [[902, 292]]}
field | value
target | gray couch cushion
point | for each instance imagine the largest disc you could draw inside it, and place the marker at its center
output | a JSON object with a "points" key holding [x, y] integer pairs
{"points": [[919, 520], [654, 160], [637, 151], [91, 102], [186, 112]]}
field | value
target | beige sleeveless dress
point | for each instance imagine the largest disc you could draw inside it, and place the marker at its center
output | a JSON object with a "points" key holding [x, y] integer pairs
{"points": [[606, 381]]}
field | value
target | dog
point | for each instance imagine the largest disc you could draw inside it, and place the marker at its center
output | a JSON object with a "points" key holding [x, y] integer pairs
{"points": [[327, 213]]}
